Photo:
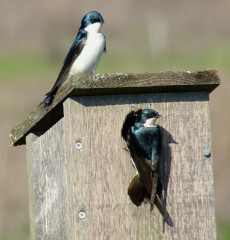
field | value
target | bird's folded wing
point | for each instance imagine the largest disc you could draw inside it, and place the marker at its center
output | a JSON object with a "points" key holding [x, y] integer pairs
{"points": [[73, 53]]}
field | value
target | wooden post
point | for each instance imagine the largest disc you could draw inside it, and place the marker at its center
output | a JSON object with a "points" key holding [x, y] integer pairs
{"points": [[79, 171]]}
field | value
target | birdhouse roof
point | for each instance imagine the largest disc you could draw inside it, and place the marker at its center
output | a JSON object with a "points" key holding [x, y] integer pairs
{"points": [[42, 117]]}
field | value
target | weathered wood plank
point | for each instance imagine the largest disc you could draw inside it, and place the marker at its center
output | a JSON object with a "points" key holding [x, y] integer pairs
{"points": [[29, 156], [146, 82], [48, 187], [95, 178], [42, 118]]}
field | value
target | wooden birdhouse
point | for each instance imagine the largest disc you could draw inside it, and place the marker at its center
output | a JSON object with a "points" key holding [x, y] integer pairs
{"points": [[79, 170]]}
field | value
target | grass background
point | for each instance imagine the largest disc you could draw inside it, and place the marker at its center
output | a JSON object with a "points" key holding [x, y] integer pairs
{"points": [[151, 36]]}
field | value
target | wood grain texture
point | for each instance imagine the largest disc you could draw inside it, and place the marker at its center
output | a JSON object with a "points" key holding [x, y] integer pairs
{"points": [[95, 179], [29, 156], [49, 212], [42, 118]]}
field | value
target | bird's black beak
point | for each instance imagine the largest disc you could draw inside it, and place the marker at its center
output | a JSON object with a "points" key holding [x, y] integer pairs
{"points": [[158, 116]]}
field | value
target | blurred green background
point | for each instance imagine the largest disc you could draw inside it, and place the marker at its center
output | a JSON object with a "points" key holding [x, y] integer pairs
{"points": [[141, 36]]}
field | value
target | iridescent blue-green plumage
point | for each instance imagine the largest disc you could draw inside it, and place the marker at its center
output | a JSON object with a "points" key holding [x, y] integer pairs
{"points": [[144, 142], [89, 18], [147, 142]]}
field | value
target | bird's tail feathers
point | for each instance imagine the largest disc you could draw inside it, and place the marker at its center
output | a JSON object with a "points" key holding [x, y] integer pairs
{"points": [[163, 211], [137, 191], [154, 190], [138, 194]]}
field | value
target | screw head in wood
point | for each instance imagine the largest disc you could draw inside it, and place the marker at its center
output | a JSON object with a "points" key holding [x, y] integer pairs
{"points": [[78, 145], [206, 153], [81, 215]]}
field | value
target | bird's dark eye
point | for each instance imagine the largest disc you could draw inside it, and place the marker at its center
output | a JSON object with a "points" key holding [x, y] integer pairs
{"points": [[93, 20], [152, 115]]}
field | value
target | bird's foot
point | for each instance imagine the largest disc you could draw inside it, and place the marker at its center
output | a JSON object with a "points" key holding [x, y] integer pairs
{"points": [[48, 100]]}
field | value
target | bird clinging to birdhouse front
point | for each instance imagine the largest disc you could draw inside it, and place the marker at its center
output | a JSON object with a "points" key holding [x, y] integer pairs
{"points": [[143, 139]]}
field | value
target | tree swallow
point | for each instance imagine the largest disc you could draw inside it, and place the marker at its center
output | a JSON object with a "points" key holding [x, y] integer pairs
{"points": [[143, 139], [85, 52]]}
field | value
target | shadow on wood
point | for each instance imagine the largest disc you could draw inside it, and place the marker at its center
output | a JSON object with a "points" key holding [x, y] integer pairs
{"points": [[165, 166]]}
